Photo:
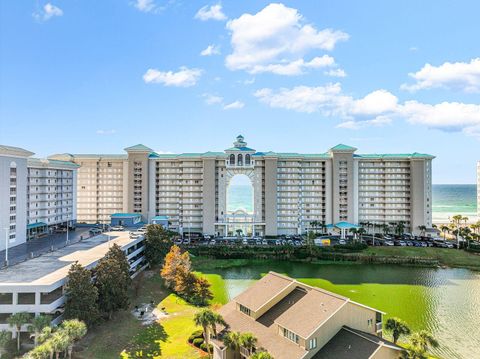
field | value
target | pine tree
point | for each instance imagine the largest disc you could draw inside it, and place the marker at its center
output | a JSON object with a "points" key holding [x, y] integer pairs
{"points": [[112, 283], [117, 254], [81, 295], [158, 241]]}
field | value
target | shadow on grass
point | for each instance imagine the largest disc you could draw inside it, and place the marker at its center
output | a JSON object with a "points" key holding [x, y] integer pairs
{"points": [[147, 343]]}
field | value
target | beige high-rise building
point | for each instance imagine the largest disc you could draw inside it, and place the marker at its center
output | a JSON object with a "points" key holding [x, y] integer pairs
{"points": [[290, 190]]}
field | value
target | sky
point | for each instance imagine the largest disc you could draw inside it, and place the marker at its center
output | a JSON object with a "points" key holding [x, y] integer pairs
{"points": [[295, 76]]}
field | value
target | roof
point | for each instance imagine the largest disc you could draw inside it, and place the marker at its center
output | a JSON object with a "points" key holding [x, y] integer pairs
{"points": [[310, 311], [263, 291], [342, 147], [51, 163], [240, 149], [36, 225], [125, 215], [395, 155], [138, 148], [93, 156], [349, 343], [343, 225], [14, 151]]}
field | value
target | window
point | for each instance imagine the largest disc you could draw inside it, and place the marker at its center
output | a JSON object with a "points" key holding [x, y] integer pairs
{"points": [[312, 343], [240, 160], [370, 322], [247, 160], [290, 335], [232, 159], [245, 310]]}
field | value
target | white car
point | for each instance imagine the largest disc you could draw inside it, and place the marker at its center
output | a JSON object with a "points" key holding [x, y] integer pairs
{"points": [[117, 228], [206, 237], [342, 242], [264, 242], [212, 242], [245, 241], [278, 242], [258, 242], [389, 243]]}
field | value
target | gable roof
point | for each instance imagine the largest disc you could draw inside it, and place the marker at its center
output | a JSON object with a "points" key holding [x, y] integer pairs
{"points": [[342, 147], [14, 151], [138, 148], [350, 343]]}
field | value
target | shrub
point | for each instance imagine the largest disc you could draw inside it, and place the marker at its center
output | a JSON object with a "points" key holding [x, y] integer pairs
{"points": [[197, 334], [203, 346], [197, 342]]}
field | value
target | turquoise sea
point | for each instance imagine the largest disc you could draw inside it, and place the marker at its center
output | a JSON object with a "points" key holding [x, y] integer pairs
{"points": [[448, 200]]}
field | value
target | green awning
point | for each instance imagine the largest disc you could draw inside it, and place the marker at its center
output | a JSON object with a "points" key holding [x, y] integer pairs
{"points": [[36, 225]]}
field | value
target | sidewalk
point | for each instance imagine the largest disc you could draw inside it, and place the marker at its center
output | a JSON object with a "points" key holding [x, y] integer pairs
{"points": [[38, 246]]}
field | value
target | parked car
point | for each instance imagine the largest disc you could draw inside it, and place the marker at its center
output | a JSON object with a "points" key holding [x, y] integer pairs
{"points": [[387, 238], [297, 243], [302, 242], [212, 242], [95, 231], [284, 242], [290, 242], [245, 241], [258, 242], [449, 245], [186, 241], [400, 243], [278, 242], [389, 243], [117, 228], [409, 243], [342, 242]]}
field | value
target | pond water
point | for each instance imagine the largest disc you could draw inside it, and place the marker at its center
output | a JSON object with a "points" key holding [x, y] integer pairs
{"points": [[445, 302]]}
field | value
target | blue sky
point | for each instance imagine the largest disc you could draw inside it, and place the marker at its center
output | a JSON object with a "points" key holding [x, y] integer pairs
{"points": [[298, 76]]}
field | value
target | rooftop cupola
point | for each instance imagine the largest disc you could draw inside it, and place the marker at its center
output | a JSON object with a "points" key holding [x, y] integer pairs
{"points": [[240, 155], [239, 143]]}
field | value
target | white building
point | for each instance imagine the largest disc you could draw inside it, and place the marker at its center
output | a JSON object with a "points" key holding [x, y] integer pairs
{"points": [[36, 195], [36, 286], [478, 189], [291, 190]]}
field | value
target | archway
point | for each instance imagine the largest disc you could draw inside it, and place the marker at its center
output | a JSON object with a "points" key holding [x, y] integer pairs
{"points": [[240, 206]]}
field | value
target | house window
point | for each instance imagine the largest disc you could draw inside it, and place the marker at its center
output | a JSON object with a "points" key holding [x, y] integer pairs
{"points": [[290, 335], [312, 343], [370, 322], [245, 310]]}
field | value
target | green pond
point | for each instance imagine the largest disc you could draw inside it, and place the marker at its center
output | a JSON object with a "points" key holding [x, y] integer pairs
{"points": [[445, 302]]}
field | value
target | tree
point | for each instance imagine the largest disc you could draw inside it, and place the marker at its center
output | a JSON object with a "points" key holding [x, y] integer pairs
{"points": [[157, 243], [75, 330], [16, 320], [59, 342], [423, 340], [201, 291], [239, 232], [112, 283], [232, 342], [444, 229], [5, 337], [43, 351], [118, 255], [397, 327], [81, 295], [37, 325], [261, 355], [248, 341], [400, 228], [176, 263], [422, 229], [205, 318]]}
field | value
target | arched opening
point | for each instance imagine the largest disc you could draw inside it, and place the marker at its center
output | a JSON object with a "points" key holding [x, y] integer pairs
{"points": [[240, 216], [232, 159], [240, 160], [247, 160]]}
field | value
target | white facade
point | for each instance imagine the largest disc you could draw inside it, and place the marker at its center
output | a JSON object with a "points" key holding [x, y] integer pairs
{"points": [[478, 189]]}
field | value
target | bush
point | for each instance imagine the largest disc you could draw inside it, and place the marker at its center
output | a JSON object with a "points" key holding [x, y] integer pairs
{"points": [[196, 334], [197, 342], [203, 346]]}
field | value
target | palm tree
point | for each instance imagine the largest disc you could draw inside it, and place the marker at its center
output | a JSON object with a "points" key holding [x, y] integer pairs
{"points": [[37, 325], [232, 342], [43, 351], [217, 319], [75, 329], [444, 229], [397, 327], [16, 320], [400, 229], [422, 229], [261, 355], [422, 341], [248, 341], [59, 342], [205, 318]]}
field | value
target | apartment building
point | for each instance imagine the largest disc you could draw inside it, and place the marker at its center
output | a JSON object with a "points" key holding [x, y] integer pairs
{"points": [[36, 286], [36, 195], [478, 189], [294, 320], [290, 190]]}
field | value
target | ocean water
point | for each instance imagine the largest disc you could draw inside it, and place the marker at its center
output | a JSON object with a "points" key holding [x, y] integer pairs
{"points": [[448, 200], [452, 199]]}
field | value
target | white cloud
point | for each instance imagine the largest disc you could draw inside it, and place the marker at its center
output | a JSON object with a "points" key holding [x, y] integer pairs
{"points": [[210, 50], [47, 12], [212, 99], [294, 67], [234, 105], [336, 73], [458, 75], [106, 132], [276, 39], [378, 108], [146, 5], [213, 12], [185, 77]]}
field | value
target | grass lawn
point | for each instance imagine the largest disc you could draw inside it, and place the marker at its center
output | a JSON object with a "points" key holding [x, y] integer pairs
{"points": [[447, 257], [165, 339]]}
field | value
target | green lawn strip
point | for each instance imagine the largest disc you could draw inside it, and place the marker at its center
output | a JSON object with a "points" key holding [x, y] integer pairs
{"points": [[447, 257]]}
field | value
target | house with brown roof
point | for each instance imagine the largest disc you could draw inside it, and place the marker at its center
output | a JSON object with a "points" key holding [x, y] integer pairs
{"points": [[292, 320]]}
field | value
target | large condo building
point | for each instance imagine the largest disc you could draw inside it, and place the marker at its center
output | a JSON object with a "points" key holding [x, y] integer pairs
{"points": [[36, 195], [478, 189], [290, 190]]}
